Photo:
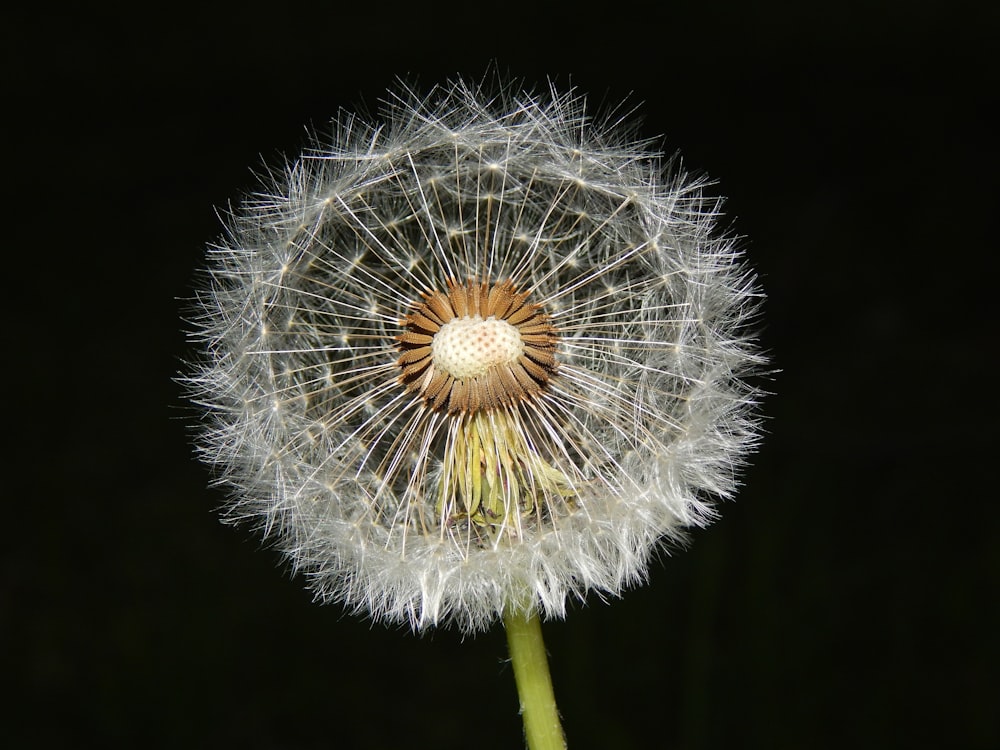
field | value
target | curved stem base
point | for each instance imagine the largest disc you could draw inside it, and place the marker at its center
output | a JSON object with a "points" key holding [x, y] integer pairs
{"points": [[542, 729]]}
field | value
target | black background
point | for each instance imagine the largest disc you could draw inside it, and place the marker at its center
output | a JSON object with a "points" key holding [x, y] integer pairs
{"points": [[847, 599]]}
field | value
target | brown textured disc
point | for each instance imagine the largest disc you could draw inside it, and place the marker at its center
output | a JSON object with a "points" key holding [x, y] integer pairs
{"points": [[476, 347]]}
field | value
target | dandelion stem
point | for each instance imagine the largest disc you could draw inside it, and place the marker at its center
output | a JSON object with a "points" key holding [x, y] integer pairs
{"points": [[542, 729]]}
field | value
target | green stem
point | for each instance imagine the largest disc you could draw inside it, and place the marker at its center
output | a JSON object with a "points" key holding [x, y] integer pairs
{"points": [[542, 729]]}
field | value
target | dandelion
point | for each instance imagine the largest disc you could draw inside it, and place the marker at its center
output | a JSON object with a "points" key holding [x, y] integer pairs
{"points": [[484, 357]]}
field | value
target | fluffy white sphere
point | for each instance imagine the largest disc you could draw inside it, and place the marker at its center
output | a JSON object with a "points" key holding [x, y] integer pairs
{"points": [[417, 473]]}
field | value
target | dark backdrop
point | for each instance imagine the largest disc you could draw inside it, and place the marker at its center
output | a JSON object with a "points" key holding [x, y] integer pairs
{"points": [[847, 599]]}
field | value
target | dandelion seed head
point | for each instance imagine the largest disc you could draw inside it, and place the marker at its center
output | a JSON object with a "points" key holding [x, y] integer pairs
{"points": [[486, 353]]}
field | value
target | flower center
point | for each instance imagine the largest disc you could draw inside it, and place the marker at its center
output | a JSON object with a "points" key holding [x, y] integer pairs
{"points": [[476, 347], [468, 347]]}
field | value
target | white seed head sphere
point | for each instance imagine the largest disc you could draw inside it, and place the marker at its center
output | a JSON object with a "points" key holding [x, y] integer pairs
{"points": [[488, 353]]}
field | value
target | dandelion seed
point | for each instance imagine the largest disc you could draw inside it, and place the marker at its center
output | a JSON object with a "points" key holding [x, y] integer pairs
{"points": [[487, 354]]}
